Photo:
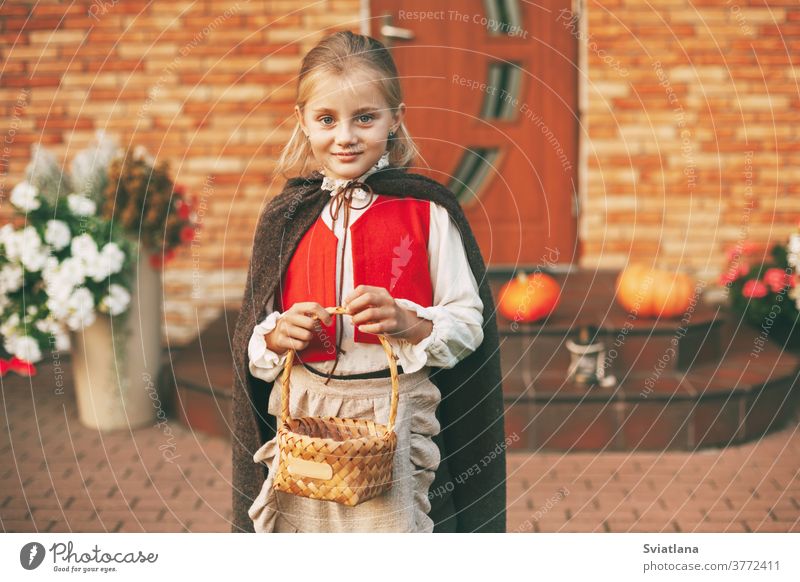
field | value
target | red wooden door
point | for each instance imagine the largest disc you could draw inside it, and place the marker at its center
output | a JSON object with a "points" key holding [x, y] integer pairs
{"points": [[491, 90]]}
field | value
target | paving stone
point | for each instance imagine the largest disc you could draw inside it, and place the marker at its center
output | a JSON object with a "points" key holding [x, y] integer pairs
{"points": [[77, 479]]}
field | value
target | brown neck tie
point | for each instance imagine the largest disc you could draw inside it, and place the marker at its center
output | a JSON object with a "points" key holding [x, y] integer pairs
{"points": [[343, 199]]}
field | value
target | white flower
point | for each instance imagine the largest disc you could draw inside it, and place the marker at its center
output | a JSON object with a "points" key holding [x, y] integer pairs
{"points": [[29, 237], [115, 257], [32, 254], [15, 241], [62, 343], [108, 261], [12, 246], [116, 301], [60, 280], [84, 247], [51, 266], [96, 269], [80, 205], [9, 326], [58, 306], [6, 231], [25, 196], [9, 342], [26, 348], [80, 308], [33, 259], [10, 278], [57, 234], [72, 271], [56, 330]]}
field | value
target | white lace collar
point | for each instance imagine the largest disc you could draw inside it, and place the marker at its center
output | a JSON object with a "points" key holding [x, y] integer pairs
{"points": [[336, 184]]}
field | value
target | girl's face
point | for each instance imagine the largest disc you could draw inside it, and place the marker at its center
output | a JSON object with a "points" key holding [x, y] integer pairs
{"points": [[347, 122]]}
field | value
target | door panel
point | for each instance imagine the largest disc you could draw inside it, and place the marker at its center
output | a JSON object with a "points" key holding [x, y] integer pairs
{"points": [[494, 115]]}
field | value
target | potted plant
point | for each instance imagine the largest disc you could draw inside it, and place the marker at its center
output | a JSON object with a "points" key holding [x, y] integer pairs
{"points": [[763, 288], [94, 245], [61, 273], [142, 201]]}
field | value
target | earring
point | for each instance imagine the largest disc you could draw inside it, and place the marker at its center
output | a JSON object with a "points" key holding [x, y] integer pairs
{"points": [[391, 134]]}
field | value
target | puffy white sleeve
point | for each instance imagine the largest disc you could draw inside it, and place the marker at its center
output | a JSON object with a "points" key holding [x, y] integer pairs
{"points": [[457, 310], [264, 363]]}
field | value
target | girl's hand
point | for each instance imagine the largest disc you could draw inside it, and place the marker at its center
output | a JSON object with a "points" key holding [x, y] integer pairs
{"points": [[374, 310], [296, 327]]}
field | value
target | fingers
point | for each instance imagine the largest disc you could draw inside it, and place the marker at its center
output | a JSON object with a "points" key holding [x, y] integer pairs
{"points": [[375, 297], [294, 337], [311, 308], [361, 291], [303, 314], [370, 315], [323, 314], [298, 325]]}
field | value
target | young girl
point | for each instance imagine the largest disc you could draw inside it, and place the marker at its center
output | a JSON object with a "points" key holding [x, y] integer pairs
{"points": [[397, 264]]}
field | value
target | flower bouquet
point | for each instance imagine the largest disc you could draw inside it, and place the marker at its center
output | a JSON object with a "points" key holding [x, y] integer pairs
{"points": [[71, 277], [64, 267], [763, 287], [141, 198]]}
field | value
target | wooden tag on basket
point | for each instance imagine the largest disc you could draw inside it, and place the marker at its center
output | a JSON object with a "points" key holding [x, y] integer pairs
{"points": [[312, 469]]}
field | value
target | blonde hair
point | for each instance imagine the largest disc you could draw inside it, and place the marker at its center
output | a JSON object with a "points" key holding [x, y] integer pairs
{"points": [[343, 53]]}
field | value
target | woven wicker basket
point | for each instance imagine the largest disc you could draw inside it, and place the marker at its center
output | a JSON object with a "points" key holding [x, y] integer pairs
{"points": [[345, 460]]}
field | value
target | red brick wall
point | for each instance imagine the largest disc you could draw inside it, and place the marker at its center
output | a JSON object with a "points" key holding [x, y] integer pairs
{"points": [[205, 85], [209, 86], [692, 129]]}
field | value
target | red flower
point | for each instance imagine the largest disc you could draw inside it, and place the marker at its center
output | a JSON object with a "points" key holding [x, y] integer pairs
{"points": [[777, 279], [184, 210], [21, 367], [728, 276], [179, 190], [187, 234], [733, 252], [754, 289], [161, 258]]}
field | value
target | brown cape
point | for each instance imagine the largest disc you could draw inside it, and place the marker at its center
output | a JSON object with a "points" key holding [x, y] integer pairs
{"points": [[468, 494]]}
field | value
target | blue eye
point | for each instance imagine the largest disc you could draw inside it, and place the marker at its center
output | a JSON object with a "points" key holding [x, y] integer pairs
{"points": [[322, 119], [367, 116]]}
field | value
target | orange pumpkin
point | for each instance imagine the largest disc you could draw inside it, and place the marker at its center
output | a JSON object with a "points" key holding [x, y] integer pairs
{"points": [[651, 293], [528, 297]]}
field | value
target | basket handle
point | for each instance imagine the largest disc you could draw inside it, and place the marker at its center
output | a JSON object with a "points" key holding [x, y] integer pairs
{"points": [[287, 370]]}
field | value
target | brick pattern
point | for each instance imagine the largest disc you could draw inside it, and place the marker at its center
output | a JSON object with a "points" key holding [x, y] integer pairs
{"points": [[208, 86], [692, 115], [752, 488], [58, 476]]}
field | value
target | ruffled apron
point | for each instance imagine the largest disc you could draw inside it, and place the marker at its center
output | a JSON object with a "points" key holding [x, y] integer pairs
{"points": [[405, 507]]}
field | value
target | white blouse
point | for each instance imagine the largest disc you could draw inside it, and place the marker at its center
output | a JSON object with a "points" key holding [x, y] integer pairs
{"points": [[456, 313]]}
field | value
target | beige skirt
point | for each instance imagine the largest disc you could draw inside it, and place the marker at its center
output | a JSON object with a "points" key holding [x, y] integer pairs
{"points": [[404, 508]]}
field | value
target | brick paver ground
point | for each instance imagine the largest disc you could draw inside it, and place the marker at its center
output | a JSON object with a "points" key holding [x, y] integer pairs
{"points": [[58, 476]]}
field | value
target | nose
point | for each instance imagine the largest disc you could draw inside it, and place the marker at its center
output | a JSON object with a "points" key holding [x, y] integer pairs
{"points": [[344, 134]]}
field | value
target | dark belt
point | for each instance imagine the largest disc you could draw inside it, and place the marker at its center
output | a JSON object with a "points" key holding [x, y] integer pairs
{"points": [[385, 373]]}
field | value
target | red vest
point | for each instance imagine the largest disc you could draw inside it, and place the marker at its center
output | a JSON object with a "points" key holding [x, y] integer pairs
{"points": [[389, 243]]}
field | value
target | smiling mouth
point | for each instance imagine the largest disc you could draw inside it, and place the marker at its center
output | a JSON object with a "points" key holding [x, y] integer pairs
{"points": [[347, 154]]}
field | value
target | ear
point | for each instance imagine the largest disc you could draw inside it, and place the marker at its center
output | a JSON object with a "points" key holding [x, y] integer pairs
{"points": [[299, 115], [399, 115]]}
